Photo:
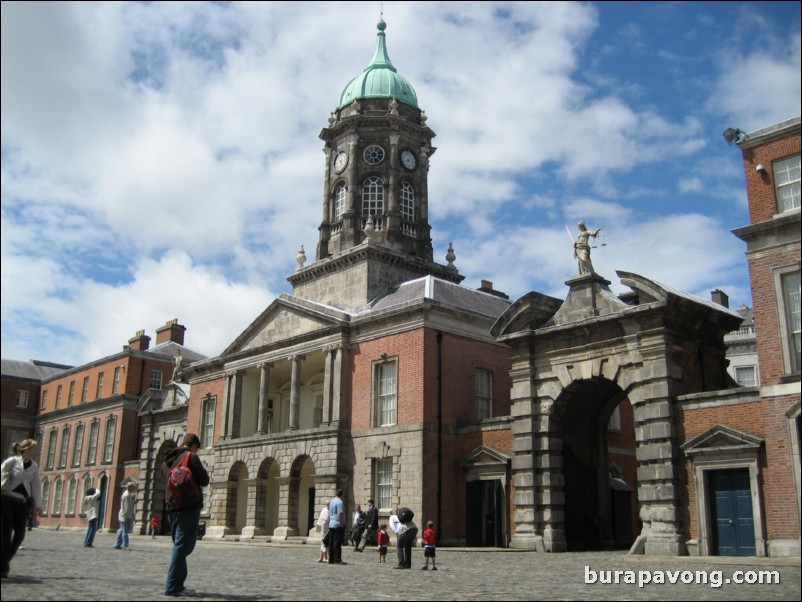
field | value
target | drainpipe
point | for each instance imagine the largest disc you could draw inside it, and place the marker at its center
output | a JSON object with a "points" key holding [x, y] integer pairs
{"points": [[439, 428]]}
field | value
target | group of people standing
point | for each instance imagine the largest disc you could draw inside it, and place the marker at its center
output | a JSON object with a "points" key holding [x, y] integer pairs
{"points": [[366, 530], [21, 492]]}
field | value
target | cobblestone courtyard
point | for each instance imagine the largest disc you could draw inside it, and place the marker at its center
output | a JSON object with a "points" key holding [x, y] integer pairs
{"points": [[55, 566]]}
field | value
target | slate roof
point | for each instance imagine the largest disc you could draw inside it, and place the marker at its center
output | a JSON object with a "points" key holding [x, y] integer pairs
{"points": [[443, 292], [31, 370]]}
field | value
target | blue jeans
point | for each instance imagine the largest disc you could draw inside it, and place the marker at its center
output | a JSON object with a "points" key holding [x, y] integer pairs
{"points": [[122, 534], [90, 532], [185, 533]]}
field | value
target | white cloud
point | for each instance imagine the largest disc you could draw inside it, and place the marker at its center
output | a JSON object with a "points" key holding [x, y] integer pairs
{"points": [[162, 160]]}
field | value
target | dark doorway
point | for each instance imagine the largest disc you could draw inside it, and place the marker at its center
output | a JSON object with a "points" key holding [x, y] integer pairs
{"points": [[733, 521], [581, 503], [310, 509], [484, 514]]}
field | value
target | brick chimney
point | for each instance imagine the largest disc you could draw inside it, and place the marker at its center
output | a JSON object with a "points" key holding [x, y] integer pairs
{"points": [[140, 342], [720, 297], [487, 287], [172, 331]]}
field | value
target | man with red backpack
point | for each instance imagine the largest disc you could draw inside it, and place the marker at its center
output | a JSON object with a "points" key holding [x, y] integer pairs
{"points": [[184, 508]]}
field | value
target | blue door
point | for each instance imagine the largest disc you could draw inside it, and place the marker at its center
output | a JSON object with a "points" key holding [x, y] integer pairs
{"points": [[734, 533]]}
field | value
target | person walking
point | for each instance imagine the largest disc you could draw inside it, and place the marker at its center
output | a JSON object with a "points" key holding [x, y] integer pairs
{"points": [[126, 516], [91, 506], [19, 484], [183, 514], [371, 527]]}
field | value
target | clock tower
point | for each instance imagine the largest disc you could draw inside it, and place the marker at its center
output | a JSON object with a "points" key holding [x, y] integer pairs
{"points": [[377, 150], [375, 189]]}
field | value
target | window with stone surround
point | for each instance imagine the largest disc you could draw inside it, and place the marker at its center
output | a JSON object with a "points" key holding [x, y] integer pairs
{"points": [[383, 479], [484, 394], [385, 387], [58, 491], [340, 202], [65, 444], [45, 495], [78, 445], [99, 386], [108, 444], [94, 432], [51, 448], [208, 405], [789, 285], [746, 376], [156, 377], [407, 201], [72, 495], [85, 391], [787, 182], [372, 196]]}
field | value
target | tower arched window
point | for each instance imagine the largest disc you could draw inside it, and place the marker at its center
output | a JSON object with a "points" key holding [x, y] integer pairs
{"points": [[407, 201], [373, 196], [339, 202]]}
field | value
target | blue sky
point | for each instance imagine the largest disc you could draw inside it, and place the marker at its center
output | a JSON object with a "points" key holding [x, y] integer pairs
{"points": [[162, 160]]}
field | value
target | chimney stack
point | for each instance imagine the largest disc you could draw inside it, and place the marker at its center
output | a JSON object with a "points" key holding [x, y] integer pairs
{"points": [[140, 342], [487, 287], [172, 331], [720, 297]]}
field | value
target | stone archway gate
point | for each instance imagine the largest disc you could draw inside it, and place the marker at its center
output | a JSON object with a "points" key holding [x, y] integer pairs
{"points": [[655, 343]]}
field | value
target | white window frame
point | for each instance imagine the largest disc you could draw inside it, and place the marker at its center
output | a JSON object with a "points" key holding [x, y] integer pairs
{"points": [[94, 435], [58, 396], [483, 393], [51, 448], [22, 398], [340, 202], [78, 444], [208, 409], [746, 376], [85, 391], [43, 405], [58, 493], [407, 198], [99, 386], [45, 495], [65, 447], [372, 196], [108, 441], [117, 374], [614, 424], [71, 395], [383, 479], [72, 496], [385, 387], [787, 183], [156, 379], [789, 332]]}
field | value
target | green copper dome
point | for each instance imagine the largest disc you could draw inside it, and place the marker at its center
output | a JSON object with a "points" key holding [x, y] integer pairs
{"points": [[379, 79]]}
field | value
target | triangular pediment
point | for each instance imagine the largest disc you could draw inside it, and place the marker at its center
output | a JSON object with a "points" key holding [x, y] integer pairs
{"points": [[287, 318], [722, 439], [483, 456]]}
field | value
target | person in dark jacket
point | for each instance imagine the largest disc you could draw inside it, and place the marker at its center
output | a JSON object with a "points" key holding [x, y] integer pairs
{"points": [[184, 521]]}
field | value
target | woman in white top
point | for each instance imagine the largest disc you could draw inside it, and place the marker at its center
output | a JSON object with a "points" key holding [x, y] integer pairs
{"points": [[322, 526], [20, 486]]}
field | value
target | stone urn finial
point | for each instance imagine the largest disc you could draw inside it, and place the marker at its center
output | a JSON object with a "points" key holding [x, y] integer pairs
{"points": [[300, 258], [450, 257], [369, 229]]}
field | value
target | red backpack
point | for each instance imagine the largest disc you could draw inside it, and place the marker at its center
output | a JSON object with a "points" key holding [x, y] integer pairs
{"points": [[184, 489]]}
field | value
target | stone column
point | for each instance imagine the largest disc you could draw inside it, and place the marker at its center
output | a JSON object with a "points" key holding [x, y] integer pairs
{"points": [[295, 392], [227, 406], [264, 394], [336, 382], [234, 404], [327, 389]]}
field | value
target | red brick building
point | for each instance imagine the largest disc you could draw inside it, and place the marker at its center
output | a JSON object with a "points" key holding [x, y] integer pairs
{"points": [[743, 471], [19, 390], [90, 429]]}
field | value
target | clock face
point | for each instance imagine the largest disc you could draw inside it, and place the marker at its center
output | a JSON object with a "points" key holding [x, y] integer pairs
{"points": [[373, 155], [408, 159], [340, 161]]}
